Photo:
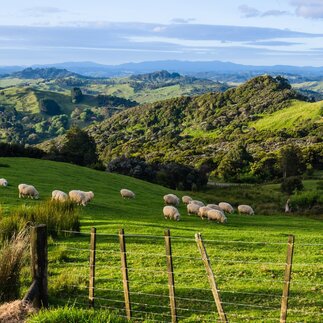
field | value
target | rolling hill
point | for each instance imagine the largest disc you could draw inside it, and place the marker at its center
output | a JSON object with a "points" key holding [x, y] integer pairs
{"points": [[190, 130], [247, 254]]}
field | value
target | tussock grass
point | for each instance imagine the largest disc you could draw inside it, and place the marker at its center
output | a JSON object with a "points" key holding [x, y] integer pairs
{"points": [[15, 312], [12, 257]]}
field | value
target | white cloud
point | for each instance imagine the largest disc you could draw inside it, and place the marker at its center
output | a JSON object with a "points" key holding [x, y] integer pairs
{"points": [[308, 8]]}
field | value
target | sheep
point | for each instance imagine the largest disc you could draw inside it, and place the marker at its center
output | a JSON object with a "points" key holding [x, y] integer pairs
{"points": [[202, 213], [226, 207], [59, 196], [171, 199], [3, 182], [216, 215], [199, 203], [170, 212], [214, 207], [192, 209], [80, 197], [127, 194], [26, 190], [245, 209], [186, 199]]}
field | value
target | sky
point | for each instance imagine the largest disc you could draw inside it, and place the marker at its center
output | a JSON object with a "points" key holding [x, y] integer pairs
{"points": [[276, 32]]}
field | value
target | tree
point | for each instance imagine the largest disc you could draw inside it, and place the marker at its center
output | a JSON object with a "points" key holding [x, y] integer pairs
{"points": [[79, 148], [235, 163], [291, 161], [76, 95], [49, 107]]}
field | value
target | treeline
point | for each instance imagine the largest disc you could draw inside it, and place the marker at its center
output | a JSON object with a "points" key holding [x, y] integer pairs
{"points": [[172, 175], [17, 150]]}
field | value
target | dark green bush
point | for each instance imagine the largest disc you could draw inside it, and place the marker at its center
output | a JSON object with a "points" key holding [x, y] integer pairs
{"points": [[291, 184]]}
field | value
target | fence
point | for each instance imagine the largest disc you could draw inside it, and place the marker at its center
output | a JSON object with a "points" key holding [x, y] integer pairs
{"points": [[170, 278]]}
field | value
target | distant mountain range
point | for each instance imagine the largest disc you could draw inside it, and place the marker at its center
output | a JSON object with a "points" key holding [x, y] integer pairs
{"points": [[196, 68]]}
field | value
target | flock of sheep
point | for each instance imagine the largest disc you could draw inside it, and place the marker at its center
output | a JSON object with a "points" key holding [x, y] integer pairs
{"points": [[76, 196], [212, 212]]}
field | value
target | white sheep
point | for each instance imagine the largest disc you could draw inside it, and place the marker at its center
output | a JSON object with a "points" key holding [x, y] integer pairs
{"points": [[202, 213], [80, 197], [199, 203], [216, 215], [186, 199], [245, 209], [59, 196], [171, 199], [214, 207], [192, 209], [127, 194], [226, 207], [26, 190], [170, 212], [3, 182]]}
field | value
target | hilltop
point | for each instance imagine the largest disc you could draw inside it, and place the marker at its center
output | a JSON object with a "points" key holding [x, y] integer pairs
{"points": [[192, 129], [43, 73]]}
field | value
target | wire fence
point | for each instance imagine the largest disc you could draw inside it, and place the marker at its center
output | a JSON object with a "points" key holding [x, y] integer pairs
{"points": [[250, 277]]}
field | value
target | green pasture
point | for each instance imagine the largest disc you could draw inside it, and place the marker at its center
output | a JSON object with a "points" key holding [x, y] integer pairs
{"points": [[247, 254]]}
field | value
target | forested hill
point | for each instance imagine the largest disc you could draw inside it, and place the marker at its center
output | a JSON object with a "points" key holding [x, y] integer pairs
{"points": [[190, 130], [44, 73]]}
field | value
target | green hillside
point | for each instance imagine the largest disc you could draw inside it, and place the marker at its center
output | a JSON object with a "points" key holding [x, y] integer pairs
{"points": [[190, 130], [240, 266], [298, 112]]}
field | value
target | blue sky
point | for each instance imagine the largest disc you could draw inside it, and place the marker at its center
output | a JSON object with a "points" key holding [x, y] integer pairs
{"points": [[113, 32]]}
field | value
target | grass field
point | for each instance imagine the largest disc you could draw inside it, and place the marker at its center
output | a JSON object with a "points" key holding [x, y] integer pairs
{"points": [[247, 254], [287, 118]]}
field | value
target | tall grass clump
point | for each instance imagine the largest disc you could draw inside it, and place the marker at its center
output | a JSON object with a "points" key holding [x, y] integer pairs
{"points": [[77, 315], [307, 200], [56, 215], [12, 257]]}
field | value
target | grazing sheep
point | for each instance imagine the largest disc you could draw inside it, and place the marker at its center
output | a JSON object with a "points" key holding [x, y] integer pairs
{"points": [[80, 197], [26, 190], [170, 212], [186, 199], [192, 209], [214, 207], [199, 203], [171, 199], [245, 209], [226, 207], [127, 194], [3, 182], [202, 213], [216, 215], [59, 196]]}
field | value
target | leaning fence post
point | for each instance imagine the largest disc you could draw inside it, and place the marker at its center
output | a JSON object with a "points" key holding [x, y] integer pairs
{"points": [[287, 278], [170, 271], [208, 268], [39, 264], [124, 269], [92, 267]]}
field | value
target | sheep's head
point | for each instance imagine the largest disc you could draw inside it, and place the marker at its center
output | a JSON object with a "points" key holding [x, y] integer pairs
{"points": [[177, 216]]}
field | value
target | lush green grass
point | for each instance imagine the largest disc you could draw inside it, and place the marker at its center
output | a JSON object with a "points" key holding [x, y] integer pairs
{"points": [[247, 254], [75, 315], [287, 118]]}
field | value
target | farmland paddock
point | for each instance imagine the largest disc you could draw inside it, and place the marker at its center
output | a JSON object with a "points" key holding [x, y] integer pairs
{"points": [[167, 278]]}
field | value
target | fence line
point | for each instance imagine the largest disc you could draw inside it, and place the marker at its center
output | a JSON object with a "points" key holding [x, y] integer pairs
{"points": [[108, 289]]}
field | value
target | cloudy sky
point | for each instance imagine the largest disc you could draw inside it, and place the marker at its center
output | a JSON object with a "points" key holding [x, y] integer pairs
{"points": [[112, 32]]}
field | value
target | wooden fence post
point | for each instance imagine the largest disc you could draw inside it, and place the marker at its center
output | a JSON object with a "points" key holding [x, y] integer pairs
{"points": [[125, 277], [208, 268], [39, 264], [92, 267], [170, 271], [287, 278]]}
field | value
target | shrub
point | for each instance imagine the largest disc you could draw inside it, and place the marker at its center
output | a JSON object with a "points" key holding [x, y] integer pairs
{"points": [[291, 184], [11, 260], [305, 200], [49, 107]]}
